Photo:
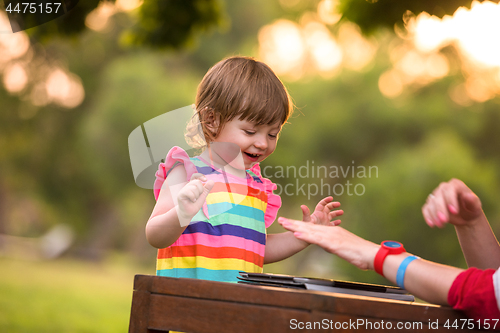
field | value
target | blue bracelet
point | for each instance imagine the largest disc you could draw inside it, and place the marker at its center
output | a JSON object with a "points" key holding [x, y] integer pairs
{"points": [[400, 276]]}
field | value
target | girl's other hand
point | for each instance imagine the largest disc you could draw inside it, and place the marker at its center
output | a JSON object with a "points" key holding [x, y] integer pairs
{"points": [[324, 212], [451, 202], [192, 197]]}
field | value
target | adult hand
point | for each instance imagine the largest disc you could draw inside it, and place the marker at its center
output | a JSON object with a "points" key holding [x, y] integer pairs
{"points": [[451, 202], [336, 240]]}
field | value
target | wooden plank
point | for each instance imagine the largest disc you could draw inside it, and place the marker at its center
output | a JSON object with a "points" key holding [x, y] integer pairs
{"points": [[143, 282], [301, 299], [139, 313], [201, 315], [396, 310], [233, 292], [192, 305]]}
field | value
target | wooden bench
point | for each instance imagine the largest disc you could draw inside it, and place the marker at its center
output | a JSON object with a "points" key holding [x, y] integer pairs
{"points": [[160, 304]]}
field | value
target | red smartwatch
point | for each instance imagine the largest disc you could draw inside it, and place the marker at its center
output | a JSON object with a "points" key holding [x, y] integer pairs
{"points": [[386, 248]]}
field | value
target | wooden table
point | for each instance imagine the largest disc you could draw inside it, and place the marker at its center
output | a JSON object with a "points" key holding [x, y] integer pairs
{"points": [[161, 304]]}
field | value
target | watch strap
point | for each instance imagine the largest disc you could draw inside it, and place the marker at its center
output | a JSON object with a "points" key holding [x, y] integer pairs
{"points": [[378, 263]]}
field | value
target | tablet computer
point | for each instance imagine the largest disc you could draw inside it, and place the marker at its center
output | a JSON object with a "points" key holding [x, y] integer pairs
{"points": [[337, 286]]}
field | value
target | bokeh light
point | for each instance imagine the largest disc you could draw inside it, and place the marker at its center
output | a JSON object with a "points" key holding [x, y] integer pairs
{"points": [[327, 11], [24, 72], [98, 19], [358, 51], [15, 78], [64, 88], [282, 46], [474, 34], [310, 47]]}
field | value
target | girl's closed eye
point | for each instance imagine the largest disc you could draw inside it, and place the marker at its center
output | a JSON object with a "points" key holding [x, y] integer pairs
{"points": [[249, 132]]}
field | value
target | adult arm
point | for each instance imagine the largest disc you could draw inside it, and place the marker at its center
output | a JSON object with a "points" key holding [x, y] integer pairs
{"points": [[453, 202], [425, 279]]}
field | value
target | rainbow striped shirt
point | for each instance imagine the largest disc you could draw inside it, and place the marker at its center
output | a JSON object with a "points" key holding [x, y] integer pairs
{"points": [[228, 234]]}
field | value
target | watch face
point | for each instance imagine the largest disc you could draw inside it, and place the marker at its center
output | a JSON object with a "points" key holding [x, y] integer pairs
{"points": [[392, 244]]}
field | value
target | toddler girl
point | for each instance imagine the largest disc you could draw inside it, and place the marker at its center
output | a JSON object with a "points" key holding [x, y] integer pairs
{"points": [[212, 210]]}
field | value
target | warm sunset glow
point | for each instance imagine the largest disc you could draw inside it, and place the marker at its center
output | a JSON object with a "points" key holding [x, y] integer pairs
{"points": [[98, 19], [282, 46], [390, 84], [422, 67], [38, 83], [358, 51], [327, 11], [64, 89], [15, 78], [294, 50], [474, 31], [475, 34], [12, 45], [432, 33], [128, 5], [323, 49]]}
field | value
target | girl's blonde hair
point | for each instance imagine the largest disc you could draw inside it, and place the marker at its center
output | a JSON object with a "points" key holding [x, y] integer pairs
{"points": [[242, 88]]}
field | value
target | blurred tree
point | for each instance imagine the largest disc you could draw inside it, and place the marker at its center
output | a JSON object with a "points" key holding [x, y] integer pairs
{"points": [[160, 23], [173, 24], [373, 14]]}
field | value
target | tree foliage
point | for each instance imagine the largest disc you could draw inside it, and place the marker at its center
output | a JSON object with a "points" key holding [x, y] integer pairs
{"points": [[372, 14], [160, 23]]}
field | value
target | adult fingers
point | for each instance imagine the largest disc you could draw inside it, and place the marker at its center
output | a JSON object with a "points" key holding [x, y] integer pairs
{"points": [[430, 211], [427, 216]]}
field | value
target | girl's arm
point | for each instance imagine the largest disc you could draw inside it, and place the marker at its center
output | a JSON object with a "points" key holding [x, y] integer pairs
{"points": [[283, 245], [178, 202]]}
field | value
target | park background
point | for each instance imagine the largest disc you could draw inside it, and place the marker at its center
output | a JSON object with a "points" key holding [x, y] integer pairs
{"points": [[413, 95]]}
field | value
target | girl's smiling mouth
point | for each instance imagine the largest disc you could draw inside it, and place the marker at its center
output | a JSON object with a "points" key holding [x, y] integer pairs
{"points": [[253, 157]]}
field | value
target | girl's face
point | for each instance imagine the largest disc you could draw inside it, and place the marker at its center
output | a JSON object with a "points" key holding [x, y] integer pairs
{"points": [[241, 143]]}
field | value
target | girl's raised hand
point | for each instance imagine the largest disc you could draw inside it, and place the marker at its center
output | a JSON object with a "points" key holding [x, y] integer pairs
{"points": [[324, 212], [192, 196], [451, 202]]}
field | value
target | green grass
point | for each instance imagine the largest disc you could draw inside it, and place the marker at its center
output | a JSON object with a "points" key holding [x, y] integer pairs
{"points": [[65, 296]]}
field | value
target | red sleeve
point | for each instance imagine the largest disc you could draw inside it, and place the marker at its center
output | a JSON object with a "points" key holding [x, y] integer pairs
{"points": [[473, 293]]}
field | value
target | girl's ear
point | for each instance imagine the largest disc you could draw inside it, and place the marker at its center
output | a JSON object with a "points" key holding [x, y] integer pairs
{"points": [[210, 120]]}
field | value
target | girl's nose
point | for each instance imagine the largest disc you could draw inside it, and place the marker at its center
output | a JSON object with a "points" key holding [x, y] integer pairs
{"points": [[260, 143]]}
